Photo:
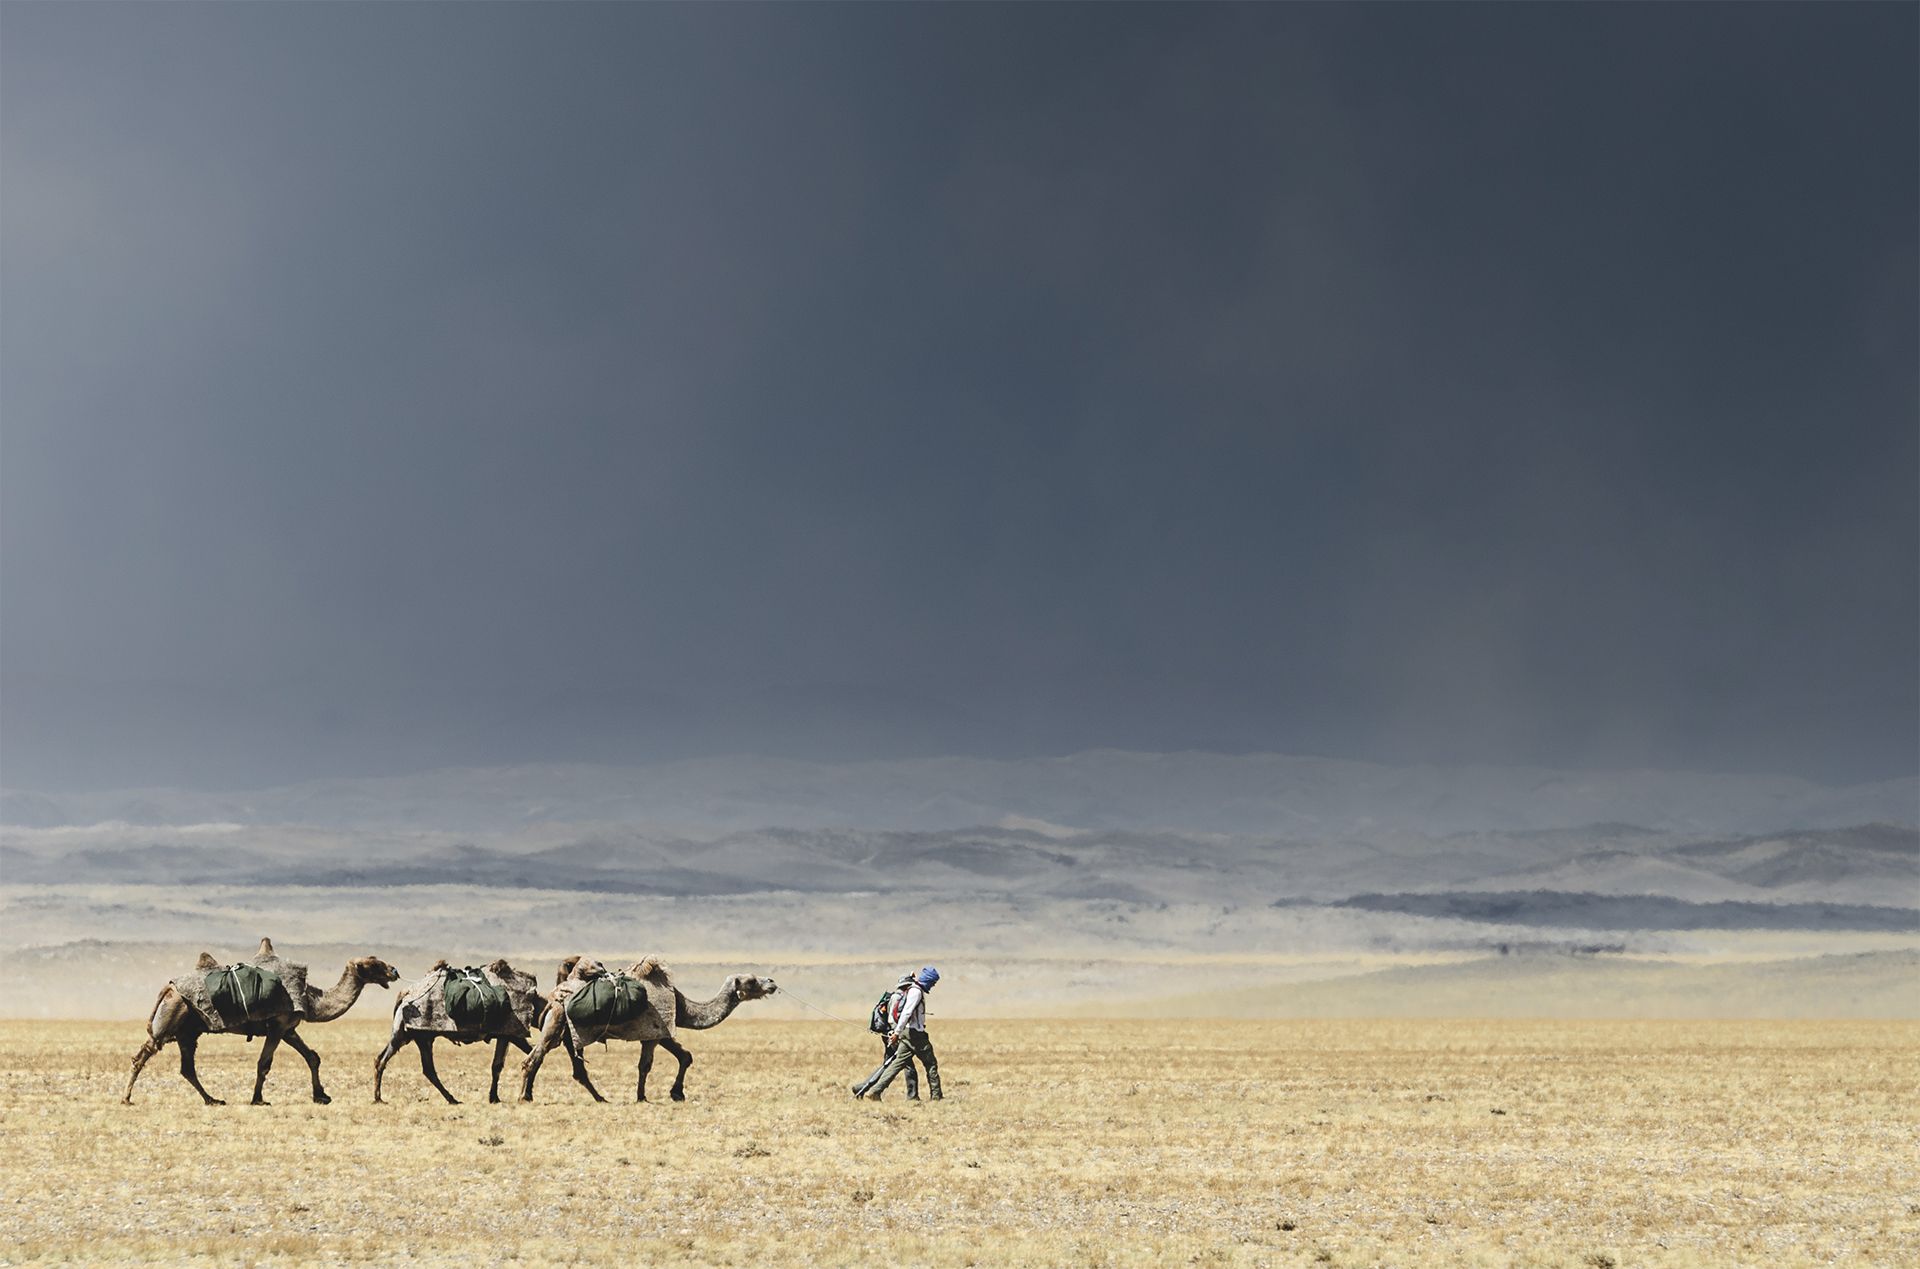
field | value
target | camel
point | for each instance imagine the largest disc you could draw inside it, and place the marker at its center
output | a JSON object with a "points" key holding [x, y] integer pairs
{"points": [[420, 1017], [174, 1019], [665, 1009]]}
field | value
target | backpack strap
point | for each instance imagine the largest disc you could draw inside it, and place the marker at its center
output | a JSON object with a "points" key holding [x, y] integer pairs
{"points": [[236, 984]]}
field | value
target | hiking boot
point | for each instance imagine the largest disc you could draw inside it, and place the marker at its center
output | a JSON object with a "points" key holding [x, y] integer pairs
{"points": [[859, 1090], [872, 1097]]}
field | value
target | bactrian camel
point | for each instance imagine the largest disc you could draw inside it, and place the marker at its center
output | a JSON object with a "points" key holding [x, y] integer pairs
{"points": [[666, 1008], [421, 1018], [174, 1020]]}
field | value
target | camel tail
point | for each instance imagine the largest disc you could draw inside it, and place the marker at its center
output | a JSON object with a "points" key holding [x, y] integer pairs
{"points": [[153, 1015]]}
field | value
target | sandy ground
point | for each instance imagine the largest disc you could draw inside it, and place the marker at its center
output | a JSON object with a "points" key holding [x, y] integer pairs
{"points": [[1081, 1142]]}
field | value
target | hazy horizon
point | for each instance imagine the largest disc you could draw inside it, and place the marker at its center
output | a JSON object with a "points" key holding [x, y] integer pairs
{"points": [[814, 761]]}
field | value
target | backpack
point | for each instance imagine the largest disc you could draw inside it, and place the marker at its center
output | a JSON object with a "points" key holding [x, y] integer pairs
{"points": [[245, 993], [607, 1002], [474, 1002], [882, 1020]]}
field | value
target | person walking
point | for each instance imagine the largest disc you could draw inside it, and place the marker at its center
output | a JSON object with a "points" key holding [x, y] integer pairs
{"points": [[910, 1039], [885, 1016]]}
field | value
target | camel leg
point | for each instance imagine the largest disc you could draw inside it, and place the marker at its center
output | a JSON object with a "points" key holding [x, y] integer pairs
{"points": [[147, 1050], [398, 1038], [305, 1050], [500, 1061], [267, 1048], [553, 1029], [168, 1021], [646, 1064], [189, 1044], [579, 1060], [679, 1090], [580, 1073], [425, 1045]]}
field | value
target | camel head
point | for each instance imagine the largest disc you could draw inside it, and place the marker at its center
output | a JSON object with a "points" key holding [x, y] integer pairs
{"points": [[750, 988], [374, 972]]}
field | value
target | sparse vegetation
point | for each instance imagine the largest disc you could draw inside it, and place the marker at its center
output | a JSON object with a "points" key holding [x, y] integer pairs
{"points": [[1246, 1143]]}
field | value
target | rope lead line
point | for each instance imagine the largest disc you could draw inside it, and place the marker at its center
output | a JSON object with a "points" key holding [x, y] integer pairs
{"points": [[816, 1008]]}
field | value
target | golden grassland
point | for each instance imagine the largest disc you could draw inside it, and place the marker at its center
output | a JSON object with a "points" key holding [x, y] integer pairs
{"points": [[1085, 1142]]}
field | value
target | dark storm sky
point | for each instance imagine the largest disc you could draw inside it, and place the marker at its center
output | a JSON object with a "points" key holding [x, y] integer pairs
{"points": [[392, 387]]}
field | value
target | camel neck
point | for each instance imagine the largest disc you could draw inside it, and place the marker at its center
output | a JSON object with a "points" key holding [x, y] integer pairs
{"points": [[699, 1015], [335, 1000]]}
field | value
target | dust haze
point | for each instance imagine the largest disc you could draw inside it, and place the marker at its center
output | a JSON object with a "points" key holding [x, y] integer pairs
{"points": [[1104, 883]]}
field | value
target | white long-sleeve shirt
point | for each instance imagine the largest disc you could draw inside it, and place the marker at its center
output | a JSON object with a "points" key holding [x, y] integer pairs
{"points": [[913, 1012]]}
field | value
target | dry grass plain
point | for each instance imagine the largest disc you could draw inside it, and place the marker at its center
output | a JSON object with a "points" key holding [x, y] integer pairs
{"points": [[1085, 1142]]}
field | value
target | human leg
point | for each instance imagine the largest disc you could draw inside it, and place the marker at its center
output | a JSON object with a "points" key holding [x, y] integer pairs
{"points": [[922, 1046]]}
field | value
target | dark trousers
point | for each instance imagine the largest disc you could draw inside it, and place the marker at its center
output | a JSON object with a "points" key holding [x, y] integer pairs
{"points": [[886, 1052], [914, 1044]]}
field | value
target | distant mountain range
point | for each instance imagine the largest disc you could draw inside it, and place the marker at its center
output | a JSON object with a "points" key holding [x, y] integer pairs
{"points": [[1607, 876], [1596, 850], [1259, 795], [1637, 912]]}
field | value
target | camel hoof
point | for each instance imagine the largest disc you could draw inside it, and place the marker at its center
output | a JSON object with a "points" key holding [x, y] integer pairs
{"points": [[258, 1101], [678, 1096], [321, 1099]]}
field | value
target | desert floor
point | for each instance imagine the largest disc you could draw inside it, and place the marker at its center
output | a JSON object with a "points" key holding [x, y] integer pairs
{"points": [[1084, 1142]]}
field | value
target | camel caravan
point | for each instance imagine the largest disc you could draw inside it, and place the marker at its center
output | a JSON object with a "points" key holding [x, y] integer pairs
{"points": [[268, 998]]}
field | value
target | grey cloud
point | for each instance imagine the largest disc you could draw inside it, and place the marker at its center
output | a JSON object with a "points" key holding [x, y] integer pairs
{"points": [[388, 388]]}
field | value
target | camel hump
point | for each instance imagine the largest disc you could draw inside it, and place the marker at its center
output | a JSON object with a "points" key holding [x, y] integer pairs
{"points": [[266, 948], [206, 962], [653, 969], [566, 967], [440, 964], [500, 968]]}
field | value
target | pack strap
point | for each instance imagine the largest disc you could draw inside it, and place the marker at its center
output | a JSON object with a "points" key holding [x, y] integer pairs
{"points": [[239, 989]]}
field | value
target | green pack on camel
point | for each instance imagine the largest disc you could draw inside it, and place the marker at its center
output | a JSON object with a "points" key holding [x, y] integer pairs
{"points": [[246, 993], [477, 1004], [606, 1001]]}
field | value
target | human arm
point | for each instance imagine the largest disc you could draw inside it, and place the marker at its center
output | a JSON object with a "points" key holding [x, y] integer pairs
{"points": [[912, 1002]]}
